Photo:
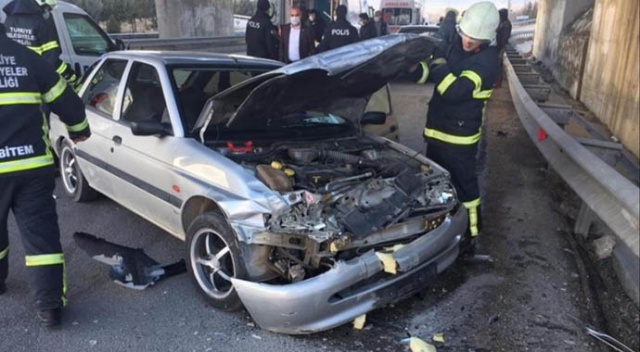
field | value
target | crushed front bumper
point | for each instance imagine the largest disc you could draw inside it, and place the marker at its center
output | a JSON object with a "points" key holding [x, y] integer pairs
{"points": [[354, 287]]}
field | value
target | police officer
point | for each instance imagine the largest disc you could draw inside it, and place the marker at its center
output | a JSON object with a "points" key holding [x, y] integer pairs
{"points": [[339, 32], [464, 75], [262, 35], [28, 82], [30, 23]]}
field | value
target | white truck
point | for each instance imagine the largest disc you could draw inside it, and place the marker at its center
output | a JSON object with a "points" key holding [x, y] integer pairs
{"points": [[81, 39]]}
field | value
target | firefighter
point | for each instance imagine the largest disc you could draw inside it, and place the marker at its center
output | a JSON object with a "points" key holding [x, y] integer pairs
{"points": [[464, 74], [262, 35], [30, 23], [339, 32], [27, 84]]}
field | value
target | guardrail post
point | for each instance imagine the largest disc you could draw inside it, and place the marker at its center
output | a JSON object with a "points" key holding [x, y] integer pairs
{"points": [[585, 219]]}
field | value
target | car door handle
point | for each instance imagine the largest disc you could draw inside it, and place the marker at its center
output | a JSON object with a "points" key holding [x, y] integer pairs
{"points": [[117, 140]]}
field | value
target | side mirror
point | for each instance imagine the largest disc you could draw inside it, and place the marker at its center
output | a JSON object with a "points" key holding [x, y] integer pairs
{"points": [[120, 45], [373, 118], [148, 128]]}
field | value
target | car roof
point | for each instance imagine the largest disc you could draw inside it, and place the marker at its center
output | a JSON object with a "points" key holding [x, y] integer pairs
{"points": [[415, 27], [194, 58]]}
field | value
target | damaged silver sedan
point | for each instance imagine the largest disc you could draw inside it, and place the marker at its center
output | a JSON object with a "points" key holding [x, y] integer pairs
{"points": [[287, 207]]}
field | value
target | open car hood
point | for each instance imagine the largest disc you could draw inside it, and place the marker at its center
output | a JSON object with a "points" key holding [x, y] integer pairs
{"points": [[317, 83]]}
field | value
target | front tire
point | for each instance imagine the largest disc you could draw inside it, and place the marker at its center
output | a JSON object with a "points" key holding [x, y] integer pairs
{"points": [[74, 183], [213, 257]]}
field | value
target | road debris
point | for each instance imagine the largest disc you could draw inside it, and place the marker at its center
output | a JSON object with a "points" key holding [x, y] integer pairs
{"points": [[358, 323], [388, 261], [130, 267], [418, 345], [439, 337], [603, 246], [608, 340]]}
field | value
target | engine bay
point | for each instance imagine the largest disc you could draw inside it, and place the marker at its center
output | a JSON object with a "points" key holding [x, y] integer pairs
{"points": [[339, 192]]}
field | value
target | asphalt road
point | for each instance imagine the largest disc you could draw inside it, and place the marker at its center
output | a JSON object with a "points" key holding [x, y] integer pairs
{"points": [[523, 301]]}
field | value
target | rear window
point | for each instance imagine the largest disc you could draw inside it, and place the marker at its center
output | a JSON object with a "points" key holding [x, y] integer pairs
{"points": [[396, 16], [195, 85]]}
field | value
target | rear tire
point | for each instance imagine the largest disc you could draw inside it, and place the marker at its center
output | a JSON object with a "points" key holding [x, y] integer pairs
{"points": [[213, 257], [74, 183]]}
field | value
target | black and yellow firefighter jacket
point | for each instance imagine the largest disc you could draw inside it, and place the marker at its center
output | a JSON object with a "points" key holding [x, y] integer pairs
{"points": [[463, 86], [34, 28], [27, 82]]}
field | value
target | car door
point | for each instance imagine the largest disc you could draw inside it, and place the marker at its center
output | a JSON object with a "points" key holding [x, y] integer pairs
{"points": [[100, 97], [146, 181]]}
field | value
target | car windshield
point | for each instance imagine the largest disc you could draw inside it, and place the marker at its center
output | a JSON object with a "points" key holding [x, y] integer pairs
{"points": [[86, 37], [194, 85], [305, 120], [302, 124]]}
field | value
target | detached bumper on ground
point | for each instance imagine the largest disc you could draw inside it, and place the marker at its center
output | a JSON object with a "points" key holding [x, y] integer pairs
{"points": [[353, 287]]}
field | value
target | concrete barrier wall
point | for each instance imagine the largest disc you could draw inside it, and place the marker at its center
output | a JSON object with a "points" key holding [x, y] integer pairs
{"points": [[610, 81], [194, 18], [572, 51], [553, 17]]}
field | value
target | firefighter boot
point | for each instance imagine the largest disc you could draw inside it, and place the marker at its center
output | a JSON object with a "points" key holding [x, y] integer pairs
{"points": [[49, 317]]}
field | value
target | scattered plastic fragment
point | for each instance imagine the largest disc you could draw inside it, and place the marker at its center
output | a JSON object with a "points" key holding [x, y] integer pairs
{"points": [[358, 323], [388, 261], [256, 336], [439, 337], [418, 345]]}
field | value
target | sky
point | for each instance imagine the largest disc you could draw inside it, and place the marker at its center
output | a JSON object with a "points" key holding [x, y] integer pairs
{"points": [[436, 8], [459, 4]]}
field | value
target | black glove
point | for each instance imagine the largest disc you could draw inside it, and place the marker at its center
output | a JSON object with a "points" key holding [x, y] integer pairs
{"points": [[70, 75]]}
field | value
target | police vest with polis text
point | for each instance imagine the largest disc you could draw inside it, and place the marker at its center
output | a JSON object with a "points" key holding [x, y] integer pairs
{"points": [[337, 34]]}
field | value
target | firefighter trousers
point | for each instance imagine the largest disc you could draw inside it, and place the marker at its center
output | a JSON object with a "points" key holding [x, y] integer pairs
{"points": [[30, 198], [461, 162]]}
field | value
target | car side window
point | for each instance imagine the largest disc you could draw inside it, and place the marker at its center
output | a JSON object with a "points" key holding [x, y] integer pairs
{"points": [[143, 98], [103, 89]]}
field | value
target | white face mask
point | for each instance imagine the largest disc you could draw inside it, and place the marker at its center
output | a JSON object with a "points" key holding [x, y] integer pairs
{"points": [[312, 18], [295, 20], [377, 19]]}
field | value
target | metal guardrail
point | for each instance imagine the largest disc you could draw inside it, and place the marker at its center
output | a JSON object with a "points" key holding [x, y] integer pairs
{"points": [[523, 22], [130, 36], [524, 34], [613, 198], [229, 44]]}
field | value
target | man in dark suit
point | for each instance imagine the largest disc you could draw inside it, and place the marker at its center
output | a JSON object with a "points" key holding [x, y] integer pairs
{"points": [[296, 40]]}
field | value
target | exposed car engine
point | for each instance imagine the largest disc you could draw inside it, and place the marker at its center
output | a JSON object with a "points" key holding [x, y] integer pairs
{"points": [[339, 193]]}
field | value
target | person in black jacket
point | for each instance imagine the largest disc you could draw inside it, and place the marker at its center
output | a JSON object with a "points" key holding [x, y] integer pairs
{"points": [[447, 30], [262, 35], [317, 23], [339, 32], [464, 75], [27, 82], [502, 39], [380, 24], [30, 23], [367, 28]]}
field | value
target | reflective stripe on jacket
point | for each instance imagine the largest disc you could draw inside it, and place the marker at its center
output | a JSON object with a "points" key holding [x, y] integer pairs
{"points": [[463, 86], [27, 82]]}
